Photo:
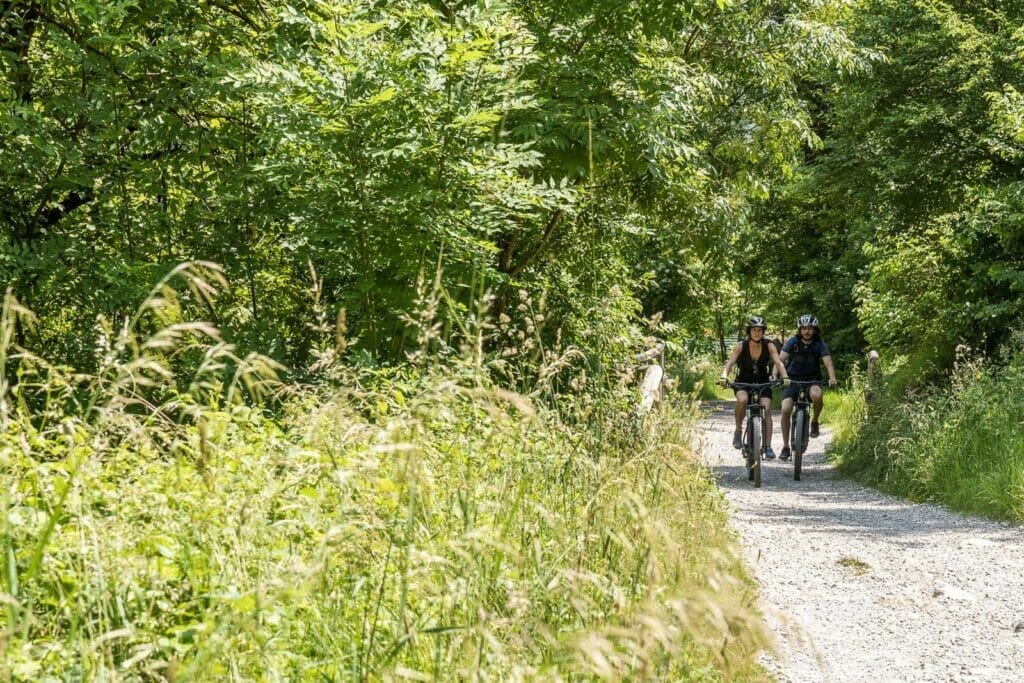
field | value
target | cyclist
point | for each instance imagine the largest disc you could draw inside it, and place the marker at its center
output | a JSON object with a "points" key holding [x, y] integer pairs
{"points": [[757, 361], [803, 354]]}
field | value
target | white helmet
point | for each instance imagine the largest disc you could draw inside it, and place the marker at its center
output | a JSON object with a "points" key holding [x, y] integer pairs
{"points": [[807, 319]]}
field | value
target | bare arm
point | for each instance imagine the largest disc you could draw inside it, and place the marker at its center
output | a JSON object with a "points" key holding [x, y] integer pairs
{"points": [[827, 360], [735, 356], [780, 369]]}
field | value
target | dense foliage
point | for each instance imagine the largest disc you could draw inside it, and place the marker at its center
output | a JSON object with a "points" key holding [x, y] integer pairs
{"points": [[906, 225], [959, 444], [598, 156]]}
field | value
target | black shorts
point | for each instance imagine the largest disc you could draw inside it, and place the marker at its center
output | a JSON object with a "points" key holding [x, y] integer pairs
{"points": [[793, 389], [765, 393]]}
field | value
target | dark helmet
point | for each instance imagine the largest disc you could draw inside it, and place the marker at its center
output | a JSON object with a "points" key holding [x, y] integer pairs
{"points": [[755, 321], [807, 319]]}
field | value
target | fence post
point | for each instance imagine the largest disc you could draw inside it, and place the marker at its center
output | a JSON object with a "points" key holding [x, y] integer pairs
{"points": [[652, 362], [874, 377]]}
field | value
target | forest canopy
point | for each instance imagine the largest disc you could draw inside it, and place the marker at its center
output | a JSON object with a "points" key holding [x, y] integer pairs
{"points": [[602, 158]]}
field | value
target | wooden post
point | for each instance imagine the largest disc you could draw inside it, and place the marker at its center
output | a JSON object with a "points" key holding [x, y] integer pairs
{"points": [[650, 354], [654, 377], [874, 376], [650, 388]]}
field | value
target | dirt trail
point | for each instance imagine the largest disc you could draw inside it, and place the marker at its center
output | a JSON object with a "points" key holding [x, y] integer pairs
{"points": [[860, 586]]}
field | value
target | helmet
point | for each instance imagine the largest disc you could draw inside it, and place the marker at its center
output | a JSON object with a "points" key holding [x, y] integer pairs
{"points": [[755, 321], [807, 319]]}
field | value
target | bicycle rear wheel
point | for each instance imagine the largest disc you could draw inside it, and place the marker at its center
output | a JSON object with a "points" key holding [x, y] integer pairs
{"points": [[756, 435], [799, 441]]}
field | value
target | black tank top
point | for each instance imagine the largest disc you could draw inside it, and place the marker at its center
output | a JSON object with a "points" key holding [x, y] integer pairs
{"points": [[751, 369]]}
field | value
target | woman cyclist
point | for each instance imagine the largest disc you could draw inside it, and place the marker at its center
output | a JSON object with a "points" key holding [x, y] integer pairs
{"points": [[755, 357]]}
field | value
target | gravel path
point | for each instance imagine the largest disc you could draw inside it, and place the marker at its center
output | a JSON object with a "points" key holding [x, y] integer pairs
{"points": [[860, 586]]}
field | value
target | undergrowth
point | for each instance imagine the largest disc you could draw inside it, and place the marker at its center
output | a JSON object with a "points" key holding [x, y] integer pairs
{"points": [[416, 523], [958, 442], [698, 377]]}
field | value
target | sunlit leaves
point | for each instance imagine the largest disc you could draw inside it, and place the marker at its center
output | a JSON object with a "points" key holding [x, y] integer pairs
{"points": [[559, 145], [921, 161]]}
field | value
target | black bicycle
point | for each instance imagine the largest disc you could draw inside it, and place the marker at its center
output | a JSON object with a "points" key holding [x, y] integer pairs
{"points": [[753, 434], [801, 422]]}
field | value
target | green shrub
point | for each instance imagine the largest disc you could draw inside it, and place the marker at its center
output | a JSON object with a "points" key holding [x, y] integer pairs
{"points": [[958, 443], [697, 376]]}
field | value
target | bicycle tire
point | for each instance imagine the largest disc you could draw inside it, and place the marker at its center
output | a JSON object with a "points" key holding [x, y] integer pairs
{"points": [[756, 438], [798, 461], [799, 442], [799, 417], [746, 450]]}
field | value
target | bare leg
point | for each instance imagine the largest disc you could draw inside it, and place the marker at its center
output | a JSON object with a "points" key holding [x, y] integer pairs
{"points": [[742, 398], [767, 403], [787, 412], [817, 402]]}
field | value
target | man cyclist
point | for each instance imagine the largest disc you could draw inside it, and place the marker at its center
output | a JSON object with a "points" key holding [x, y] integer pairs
{"points": [[757, 360], [803, 354]]}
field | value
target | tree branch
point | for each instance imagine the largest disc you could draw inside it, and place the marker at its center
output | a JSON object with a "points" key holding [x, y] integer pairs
{"points": [[237, 13], [549, 230], [72, 201], [689, 41]]}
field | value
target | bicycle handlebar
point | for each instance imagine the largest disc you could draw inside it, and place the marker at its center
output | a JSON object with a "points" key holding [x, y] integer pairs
{"points": [[754, 385], [823, 383]]}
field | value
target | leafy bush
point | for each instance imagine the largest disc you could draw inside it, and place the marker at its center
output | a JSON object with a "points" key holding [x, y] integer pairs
{"points": [[698, 377]]}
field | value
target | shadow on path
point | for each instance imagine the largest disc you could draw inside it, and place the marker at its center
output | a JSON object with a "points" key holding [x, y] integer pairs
{"points": [[822, 499], [860, 586]]}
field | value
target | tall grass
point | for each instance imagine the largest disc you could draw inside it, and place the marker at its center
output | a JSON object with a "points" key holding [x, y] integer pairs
{"points": [[418, 524], [959, 443], [697, 376]]}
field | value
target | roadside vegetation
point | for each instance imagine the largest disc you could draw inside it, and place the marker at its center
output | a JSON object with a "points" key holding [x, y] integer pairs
{"points": [[417, 522], [958, 443]]}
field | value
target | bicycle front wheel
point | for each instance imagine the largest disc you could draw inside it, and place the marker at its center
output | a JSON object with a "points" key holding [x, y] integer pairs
{"points": [[756, 436], [799, 442]]}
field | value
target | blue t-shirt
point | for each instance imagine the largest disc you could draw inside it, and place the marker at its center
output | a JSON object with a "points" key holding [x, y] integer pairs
{"points": [[805, 359]]}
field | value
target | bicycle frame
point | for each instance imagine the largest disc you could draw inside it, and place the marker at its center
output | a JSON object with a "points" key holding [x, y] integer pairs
{"points": [[754, 442], [800, 422]]}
